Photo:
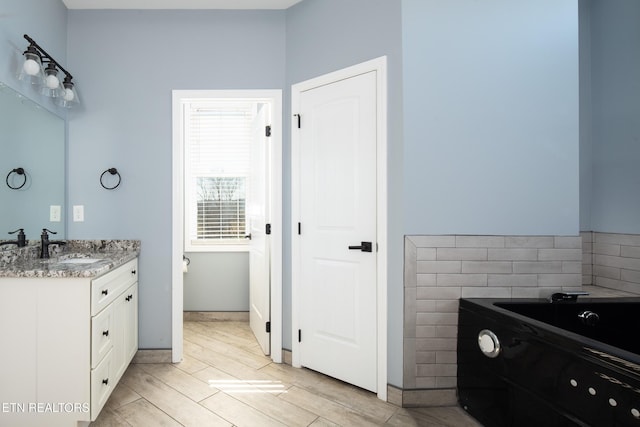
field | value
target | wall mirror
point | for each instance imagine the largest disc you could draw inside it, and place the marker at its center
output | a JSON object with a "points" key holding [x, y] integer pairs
{"points": [[31, 138]]}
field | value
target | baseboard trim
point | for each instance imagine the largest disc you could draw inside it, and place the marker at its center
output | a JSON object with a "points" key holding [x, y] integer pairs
{"points": [[152, 356], [286, 357], [421, 398], [215, 316]]}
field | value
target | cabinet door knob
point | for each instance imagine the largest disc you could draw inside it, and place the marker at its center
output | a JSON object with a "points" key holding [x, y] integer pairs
{"points": [[105, 381], [133, 272], [105, 291], [105, 333]]}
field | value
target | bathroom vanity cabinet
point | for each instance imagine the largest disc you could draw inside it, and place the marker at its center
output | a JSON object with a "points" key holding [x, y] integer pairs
{"points": [[65, 344]]}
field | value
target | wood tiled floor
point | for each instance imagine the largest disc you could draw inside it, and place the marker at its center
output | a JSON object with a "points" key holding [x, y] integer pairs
{"points": [[225, 380]]}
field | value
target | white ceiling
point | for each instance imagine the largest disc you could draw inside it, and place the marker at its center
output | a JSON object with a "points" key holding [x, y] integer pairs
{"points": [[179, 4]]}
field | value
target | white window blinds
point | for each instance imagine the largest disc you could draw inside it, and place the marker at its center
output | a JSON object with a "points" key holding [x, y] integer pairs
{"points": [[218, 136]]}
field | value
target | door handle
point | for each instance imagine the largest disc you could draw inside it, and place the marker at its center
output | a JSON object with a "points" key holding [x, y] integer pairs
{"points": [[364, 247]]}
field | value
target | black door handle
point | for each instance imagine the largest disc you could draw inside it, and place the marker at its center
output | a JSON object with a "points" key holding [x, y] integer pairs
{"points": [[364, 247]]}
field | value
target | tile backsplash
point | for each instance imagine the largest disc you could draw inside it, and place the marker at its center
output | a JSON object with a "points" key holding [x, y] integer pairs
{"points": [[612, 261], [440, 269]]}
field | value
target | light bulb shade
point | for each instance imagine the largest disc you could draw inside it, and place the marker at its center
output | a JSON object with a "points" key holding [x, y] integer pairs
{"points": [[31, 69], [67, 97], [51, 86]]}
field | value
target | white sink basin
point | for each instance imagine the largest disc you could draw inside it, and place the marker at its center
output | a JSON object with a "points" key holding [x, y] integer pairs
{"points": [[79, 261]]}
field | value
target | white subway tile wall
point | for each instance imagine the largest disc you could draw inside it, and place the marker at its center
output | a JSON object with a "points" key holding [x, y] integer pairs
{"points": [[441, 269], [614, 261]]}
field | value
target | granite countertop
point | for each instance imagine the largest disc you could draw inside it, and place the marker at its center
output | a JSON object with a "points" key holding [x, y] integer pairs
{"points": [[25, 262]]}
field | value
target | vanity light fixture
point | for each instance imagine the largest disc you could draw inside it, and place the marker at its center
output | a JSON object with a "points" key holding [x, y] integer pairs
{"points": [[32, 71]]}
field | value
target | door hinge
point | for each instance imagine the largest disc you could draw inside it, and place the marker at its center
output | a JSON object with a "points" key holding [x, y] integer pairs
{"points": [[267, 228], [299, 228], [299, 335], [267, 131], [268, 327], [298, 116]]}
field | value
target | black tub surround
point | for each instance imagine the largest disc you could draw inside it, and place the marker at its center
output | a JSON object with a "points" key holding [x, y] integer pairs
{"points": [[528, 362]]}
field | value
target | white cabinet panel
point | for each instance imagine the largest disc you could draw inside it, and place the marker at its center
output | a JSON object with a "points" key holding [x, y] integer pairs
{"points": [[102, 331], [66, 341], [106, 288], [102, 383], [18, 332]]}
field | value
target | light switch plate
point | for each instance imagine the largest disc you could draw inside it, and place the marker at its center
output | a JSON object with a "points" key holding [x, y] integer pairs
{"points": [[78, 213], [55, 213]]}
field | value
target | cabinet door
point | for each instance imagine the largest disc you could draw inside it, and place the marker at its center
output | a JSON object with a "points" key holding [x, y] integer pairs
{"points": [[126, 329], [131, 323]]}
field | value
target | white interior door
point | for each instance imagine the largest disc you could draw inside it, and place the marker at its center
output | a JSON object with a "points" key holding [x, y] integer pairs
{"points": [[338, 242], [257, 215]]}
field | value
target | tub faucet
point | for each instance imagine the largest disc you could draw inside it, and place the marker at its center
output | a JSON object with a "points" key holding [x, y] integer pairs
{"points": [[566, 296], [45, 242], [20, 242]]}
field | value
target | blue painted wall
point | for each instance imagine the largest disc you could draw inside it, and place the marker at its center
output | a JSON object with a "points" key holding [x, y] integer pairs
{"points": [[45, 21], [127, 63], [586, 146], [491, 117], [325, 36], [615, 98], [217, 282]]}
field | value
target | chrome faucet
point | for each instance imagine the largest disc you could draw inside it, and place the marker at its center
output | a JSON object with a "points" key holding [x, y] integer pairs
{"points": [[21, 240], [45, 242]]}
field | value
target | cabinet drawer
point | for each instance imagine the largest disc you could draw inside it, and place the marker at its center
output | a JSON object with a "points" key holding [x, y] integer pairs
{"points": [[106, 288], [101, 385], [102, 331]]}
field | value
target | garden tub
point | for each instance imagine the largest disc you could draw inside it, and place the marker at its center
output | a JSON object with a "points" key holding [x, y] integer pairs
{"points": [[530, 362]]}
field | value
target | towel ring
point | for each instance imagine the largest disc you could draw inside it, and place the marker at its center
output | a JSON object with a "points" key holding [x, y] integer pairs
{"points": [[184, 258], [19, 171], [112, 171]]}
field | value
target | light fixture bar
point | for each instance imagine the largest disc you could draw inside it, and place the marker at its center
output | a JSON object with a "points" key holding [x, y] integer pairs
{"points": [[45, 56], [33, 71]]}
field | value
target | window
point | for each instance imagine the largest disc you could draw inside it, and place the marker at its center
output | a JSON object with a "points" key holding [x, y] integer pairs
{"points": [[220, 208], [218, 135]]}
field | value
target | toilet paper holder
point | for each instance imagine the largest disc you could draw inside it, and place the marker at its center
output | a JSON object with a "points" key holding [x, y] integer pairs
{"points": [[185, 264]]}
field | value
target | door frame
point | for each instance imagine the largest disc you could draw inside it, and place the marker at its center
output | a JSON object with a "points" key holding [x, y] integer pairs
{"points": [[177, 224], [379, 65]]}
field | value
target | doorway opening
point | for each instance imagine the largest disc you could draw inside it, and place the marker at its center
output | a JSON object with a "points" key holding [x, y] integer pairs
{"points": [[227, 210]]}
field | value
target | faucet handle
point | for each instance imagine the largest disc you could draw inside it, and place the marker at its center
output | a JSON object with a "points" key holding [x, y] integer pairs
{"points": [[44, 232], [566, 296], [22, 239]]}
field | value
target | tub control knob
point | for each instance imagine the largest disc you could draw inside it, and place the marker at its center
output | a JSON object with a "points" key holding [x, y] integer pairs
{"points": [[589, 318], [489, 343]]}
